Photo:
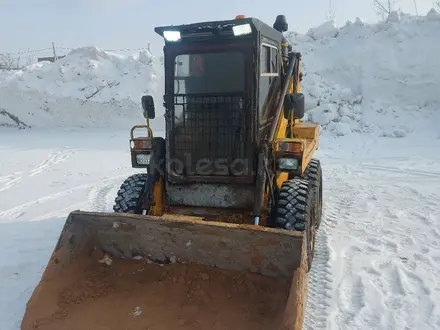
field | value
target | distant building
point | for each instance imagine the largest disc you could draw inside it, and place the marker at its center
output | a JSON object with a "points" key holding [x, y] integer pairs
{"points": [[50, 58]]}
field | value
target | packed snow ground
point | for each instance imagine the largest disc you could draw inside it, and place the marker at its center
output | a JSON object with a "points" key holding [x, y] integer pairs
{"points": [[374, 89], [379, 246], [378, 250]]}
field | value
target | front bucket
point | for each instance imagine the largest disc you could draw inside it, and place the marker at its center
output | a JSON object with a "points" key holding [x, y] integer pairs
{"points": [[118, 271]]}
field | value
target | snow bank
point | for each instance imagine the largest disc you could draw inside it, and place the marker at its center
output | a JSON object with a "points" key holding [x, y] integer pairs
{"points": [[88, 88], [382, 79]]}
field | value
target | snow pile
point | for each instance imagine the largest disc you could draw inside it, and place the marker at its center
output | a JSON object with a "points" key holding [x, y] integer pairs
{"points": [[88, 88], [382, 79], [5, 74]]}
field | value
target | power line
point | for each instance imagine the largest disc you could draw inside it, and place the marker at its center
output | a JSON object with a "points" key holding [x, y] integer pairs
{"points": [[12, 60], [30, 51]]}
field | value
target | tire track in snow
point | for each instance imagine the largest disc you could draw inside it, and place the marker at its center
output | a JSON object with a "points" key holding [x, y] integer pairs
{"points": [[10, 180], [60, 213], [350, 288], [52, 159], [385, 251], [402, 268], [320, 283], [323, 293], [320, 276], [99, 197], [17, 211], [403, 171], [404, 290]]}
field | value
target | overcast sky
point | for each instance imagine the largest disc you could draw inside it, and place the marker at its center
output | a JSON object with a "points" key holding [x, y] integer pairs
{"points": [[113, 24]]}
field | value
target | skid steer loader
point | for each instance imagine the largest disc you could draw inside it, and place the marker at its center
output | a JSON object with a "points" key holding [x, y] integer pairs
{"points": [[217, 229]]}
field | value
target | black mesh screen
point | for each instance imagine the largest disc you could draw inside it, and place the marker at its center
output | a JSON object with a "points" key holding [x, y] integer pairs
{"points": [[210, 134]]}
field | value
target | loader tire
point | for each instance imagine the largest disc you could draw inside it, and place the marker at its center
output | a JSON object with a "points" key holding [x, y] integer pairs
{"points": [[313, 173], [127, 199], [295, 210]]}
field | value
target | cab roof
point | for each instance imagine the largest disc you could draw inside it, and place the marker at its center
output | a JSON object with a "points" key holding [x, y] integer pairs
{"points": [[221, 29]]}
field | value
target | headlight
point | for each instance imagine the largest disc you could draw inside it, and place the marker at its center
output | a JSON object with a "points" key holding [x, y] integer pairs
{"points": [[240, 30], [143, 159], [171, 35], [289, 164]]}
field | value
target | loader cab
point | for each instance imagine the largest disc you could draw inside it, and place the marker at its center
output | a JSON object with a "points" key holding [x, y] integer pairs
{"points": [[223, 89], [221, 79]]}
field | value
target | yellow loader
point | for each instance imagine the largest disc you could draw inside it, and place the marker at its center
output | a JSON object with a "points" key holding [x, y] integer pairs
{"points": [[217, 230]]}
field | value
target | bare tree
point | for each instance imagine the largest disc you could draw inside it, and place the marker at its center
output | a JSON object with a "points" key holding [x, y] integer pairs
{"points": [[18, 62], [437, 5], [29, 59], [415, 7], [331, 14], [384, 8], [6, 61]]}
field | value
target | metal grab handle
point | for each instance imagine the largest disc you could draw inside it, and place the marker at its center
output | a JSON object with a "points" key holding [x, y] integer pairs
{"points": [[150, 131]]}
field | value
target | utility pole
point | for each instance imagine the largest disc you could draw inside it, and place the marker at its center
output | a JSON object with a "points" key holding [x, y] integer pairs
{"points": [[55, 57]]}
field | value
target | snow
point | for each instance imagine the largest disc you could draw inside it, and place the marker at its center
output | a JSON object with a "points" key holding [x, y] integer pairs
{"points": [[373, 88], [377, 79], [379, 247], [89, 88]]}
